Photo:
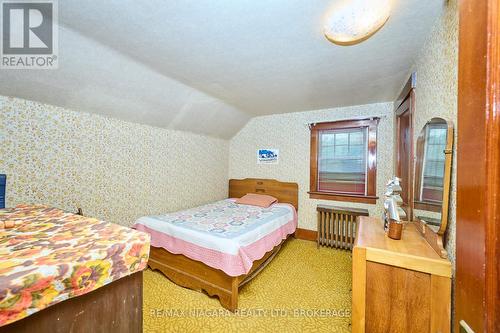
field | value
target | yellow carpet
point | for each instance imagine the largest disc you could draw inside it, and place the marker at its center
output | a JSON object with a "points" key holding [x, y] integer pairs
{"points": [[302, 290]]}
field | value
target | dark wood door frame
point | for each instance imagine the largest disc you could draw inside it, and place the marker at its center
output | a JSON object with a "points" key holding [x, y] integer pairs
{"points": [[406, 103], [478, 167]]}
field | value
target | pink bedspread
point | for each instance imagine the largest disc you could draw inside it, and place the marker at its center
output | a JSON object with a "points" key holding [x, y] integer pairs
{"points": [[223, 235]]}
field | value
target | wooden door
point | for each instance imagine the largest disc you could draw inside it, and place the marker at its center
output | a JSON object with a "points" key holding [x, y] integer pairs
{"points": [[404, 151], [478, 168]]}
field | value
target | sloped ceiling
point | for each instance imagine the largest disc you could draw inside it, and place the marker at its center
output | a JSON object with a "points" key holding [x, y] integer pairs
{"points": [[207, 66]]}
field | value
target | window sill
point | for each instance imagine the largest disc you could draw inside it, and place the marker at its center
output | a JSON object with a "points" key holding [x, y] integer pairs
{"points": [[430, 206], [343, 197]]}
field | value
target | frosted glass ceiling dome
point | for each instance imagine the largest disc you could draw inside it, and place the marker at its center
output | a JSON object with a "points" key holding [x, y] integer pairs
{"points": [[353, 21]]}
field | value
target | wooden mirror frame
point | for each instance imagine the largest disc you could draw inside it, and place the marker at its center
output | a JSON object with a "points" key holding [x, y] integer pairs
{"points": [[435, 239]]}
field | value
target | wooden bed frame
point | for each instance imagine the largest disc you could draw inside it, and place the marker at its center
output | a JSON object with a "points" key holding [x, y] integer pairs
{"points": [[115, 307], [196, 275]]}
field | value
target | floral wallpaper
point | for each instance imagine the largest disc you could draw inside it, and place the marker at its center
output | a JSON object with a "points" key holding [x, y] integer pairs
{"points": [[290, 134], [119, 171], [437, 89], [114, 170]]}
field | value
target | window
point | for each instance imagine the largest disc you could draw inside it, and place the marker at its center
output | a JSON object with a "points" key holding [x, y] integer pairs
{"points": [[343, 161]]}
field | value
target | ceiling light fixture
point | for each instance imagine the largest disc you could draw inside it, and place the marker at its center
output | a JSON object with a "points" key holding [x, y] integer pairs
{"points": [[353, 21]]}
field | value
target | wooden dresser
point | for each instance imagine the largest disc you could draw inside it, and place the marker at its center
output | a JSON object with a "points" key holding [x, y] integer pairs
{"points": [[398, 285]]}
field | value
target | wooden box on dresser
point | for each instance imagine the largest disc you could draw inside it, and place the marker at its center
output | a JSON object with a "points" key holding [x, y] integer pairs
{"points": [[398, 285]]}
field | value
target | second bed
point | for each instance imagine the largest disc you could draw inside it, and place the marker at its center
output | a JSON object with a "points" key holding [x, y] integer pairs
{"points": [[221, 246]]}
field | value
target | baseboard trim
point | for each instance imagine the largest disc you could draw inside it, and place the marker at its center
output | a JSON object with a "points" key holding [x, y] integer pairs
{"points": [[306, 234]]}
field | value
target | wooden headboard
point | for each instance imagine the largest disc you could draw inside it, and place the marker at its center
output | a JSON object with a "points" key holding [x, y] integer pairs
{"points": [[284, 192]]}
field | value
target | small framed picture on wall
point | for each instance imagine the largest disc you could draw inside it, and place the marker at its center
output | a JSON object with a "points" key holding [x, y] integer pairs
{"points": [[268, 156]]}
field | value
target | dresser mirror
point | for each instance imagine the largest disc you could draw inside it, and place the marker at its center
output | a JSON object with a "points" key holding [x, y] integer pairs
{"points": [[432, 177]]}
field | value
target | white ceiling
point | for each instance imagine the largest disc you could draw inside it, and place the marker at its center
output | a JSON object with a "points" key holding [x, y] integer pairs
{"points": [[207, 66]]}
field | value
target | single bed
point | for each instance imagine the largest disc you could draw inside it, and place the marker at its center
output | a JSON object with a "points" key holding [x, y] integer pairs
{"points": [[62, 272], [221, 246]]}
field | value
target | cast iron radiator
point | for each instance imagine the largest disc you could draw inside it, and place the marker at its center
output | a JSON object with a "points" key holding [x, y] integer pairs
{"points": [[337, 226]]}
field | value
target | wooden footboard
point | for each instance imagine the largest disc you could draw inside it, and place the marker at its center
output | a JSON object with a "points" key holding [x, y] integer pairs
{"points": [[196, 275]]}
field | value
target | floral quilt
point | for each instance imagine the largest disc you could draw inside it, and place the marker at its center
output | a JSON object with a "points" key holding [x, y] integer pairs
{"points": [[223, 235], [51, 255], [225, 218]]}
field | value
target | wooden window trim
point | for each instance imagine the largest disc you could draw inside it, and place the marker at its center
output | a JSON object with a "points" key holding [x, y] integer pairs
{"points": [[429, 206], [343, 197], [371, 184]]}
